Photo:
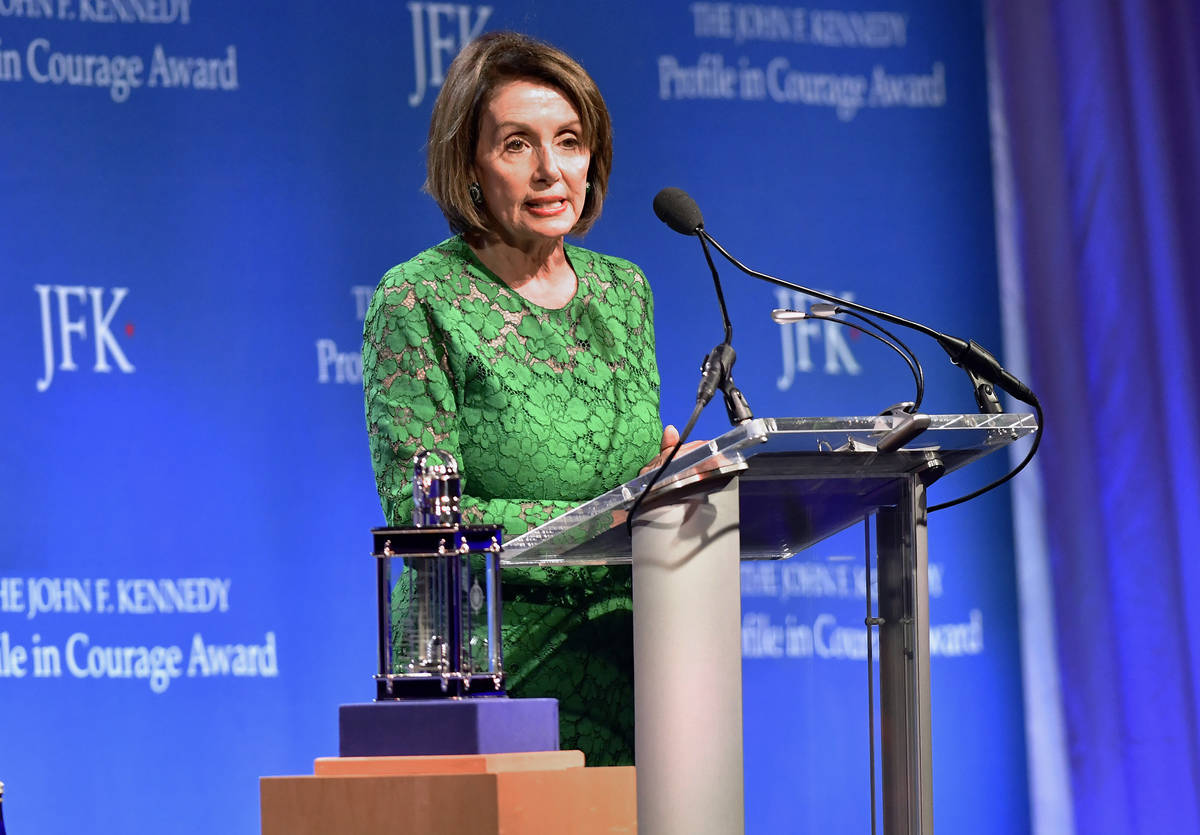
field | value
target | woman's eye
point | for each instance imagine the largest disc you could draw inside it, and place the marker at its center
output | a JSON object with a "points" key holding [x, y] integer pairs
{"points": [[514, 144], [569, 142]]}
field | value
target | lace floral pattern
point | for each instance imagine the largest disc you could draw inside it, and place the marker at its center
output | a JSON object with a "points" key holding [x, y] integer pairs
{"points": [[543, 409]]}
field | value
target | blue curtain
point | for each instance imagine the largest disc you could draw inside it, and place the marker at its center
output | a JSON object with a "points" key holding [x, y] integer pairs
{"points": [[1098, 107]]}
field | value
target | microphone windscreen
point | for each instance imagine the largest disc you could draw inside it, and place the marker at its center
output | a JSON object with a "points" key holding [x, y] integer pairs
{"points": [[678, 210]]}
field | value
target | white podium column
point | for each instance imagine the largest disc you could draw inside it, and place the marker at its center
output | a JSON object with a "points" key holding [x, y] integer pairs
{"points": [[688, 664]]}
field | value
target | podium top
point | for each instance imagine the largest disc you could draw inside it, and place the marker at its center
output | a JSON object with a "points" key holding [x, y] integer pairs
{"points": [[801, 480]]}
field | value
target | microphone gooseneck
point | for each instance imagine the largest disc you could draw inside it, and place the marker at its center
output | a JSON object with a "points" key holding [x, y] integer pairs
{"points": [[720, 293], [679, 210], [675, 208], [963, 353]]}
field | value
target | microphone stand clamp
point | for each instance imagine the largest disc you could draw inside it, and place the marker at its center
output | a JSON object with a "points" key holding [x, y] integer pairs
{"points": [[985, 394], [736, 405]]}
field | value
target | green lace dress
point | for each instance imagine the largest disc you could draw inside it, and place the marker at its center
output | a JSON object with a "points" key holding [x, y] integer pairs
{"points": [[543, 409]]}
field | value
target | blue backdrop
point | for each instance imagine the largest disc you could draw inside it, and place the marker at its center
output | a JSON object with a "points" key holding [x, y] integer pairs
{"points": [[195, 205]]}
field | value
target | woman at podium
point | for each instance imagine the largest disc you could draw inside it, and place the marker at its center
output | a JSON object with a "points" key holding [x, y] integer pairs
{"points": [[530, 359]]}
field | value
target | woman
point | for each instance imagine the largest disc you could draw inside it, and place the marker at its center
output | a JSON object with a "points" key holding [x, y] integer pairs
{"points": [[529, 359]]}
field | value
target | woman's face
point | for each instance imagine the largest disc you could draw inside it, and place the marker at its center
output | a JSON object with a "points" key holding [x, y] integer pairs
{"points": [[531, 163]]}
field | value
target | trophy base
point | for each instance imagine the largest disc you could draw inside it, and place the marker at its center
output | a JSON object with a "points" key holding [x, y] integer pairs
{"points": [[423, 727], [392, 688]]}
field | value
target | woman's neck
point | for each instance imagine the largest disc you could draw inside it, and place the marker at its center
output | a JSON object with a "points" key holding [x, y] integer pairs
{"points": [[540, 273]]}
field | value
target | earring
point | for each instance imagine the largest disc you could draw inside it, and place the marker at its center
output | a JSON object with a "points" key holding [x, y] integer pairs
{"points": [[587, 186], [476, 194]]}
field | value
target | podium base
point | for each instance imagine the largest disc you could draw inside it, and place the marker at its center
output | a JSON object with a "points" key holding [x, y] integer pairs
{"points": [[421, 727]]}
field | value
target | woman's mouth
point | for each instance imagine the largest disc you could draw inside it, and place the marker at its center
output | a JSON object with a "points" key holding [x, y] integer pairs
{"points": [[546, 208]]}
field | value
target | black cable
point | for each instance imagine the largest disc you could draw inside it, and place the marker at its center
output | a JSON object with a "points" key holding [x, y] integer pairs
{"points": [[837, 307], [687, 430], [914, 363], [1037, 439], [1037, 406], [906, 353], [910, 357]]}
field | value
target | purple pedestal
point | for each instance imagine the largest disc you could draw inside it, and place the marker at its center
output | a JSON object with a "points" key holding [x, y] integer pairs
{"points": [[491, 725]]}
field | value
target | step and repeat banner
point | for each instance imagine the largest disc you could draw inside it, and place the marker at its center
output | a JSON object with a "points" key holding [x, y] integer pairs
{"points": [[196, 200]]}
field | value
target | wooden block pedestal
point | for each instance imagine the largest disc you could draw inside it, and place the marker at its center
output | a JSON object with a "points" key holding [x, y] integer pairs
{"points": [[531, 793]]}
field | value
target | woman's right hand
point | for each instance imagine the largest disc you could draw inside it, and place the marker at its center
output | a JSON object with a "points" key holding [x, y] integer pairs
{"points": [[670, 437]]}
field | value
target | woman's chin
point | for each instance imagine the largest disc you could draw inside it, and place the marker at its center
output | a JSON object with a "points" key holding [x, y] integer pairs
{"points": [[538, 233]]}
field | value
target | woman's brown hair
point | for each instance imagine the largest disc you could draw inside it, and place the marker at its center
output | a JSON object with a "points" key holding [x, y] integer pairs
{"points": [[485, 64]]}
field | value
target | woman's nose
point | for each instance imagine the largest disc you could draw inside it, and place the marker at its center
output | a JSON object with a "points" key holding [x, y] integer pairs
{"points": [[548, 168]]}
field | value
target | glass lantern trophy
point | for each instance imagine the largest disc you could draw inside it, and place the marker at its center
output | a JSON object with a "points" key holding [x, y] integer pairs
{"points": [[438, 595]]}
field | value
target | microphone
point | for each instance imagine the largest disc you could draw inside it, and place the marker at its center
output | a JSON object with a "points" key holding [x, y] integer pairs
{"points": [[677, 209], [681, 213]]}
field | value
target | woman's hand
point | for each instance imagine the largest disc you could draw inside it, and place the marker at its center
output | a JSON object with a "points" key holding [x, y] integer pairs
{"points": [[670, 437]]}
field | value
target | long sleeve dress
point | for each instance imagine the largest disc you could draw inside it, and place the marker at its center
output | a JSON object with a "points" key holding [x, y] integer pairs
{"points": [[543, 409]]}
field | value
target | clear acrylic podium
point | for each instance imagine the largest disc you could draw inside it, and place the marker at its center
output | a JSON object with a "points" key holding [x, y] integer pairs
{"points": [[766, 490]]}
